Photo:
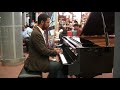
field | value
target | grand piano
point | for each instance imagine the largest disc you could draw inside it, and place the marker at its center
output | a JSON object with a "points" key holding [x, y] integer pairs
{"points": [[92, 53]]}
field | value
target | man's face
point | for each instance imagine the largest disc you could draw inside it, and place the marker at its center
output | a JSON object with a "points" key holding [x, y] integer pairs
{"points": [[46, 24], [75, 27]]}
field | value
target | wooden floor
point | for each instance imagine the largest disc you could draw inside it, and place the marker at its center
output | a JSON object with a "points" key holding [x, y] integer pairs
{"points": [[13, 72]]}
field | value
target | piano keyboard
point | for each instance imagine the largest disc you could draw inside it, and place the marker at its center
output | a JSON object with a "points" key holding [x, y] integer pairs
{"points": [[69, 44], [76, 44], [64, 61]]}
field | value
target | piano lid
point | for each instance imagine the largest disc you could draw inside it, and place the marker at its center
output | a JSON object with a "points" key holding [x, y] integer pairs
{"points": [[94, 24]]}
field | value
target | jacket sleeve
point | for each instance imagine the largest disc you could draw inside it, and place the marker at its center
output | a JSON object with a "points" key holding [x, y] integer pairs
{"points": [[38, 41]]}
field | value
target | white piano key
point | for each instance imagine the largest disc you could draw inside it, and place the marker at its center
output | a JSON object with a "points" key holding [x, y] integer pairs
{"points": [[64, 61]]}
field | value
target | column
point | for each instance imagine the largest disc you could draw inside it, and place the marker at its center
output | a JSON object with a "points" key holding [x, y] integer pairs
{"points": [[27, 17], [56, 24], [78, 17], [24, 18], [36, 16], [56, 21], [0, 40], [116, 68], [11, 38]]}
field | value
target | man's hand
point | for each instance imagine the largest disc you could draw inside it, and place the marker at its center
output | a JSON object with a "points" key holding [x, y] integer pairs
{"points": [[58, 50], [56, 58]]}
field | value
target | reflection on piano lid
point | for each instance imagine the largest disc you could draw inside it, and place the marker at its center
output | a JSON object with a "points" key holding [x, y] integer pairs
{"points": [[94, 24]]}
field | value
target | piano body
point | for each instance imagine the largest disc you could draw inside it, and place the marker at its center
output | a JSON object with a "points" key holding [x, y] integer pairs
{"points": [[92, 53]]}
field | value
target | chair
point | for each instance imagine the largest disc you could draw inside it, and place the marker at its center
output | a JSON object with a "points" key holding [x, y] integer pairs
{"points": [[32, 74]]}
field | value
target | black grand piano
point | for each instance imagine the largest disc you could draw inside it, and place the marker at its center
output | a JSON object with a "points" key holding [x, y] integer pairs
{"points": [[92, 53]]}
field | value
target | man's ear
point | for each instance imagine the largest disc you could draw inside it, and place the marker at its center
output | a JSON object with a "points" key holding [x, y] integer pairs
{"points": [[42, 22]]}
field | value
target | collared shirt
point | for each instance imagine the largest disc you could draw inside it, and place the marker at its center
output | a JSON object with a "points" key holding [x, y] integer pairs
{"points": [[43, 33], [27, 32]]}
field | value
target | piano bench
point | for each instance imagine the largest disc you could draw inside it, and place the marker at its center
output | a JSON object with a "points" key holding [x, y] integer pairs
{"points": [[25, 74]]}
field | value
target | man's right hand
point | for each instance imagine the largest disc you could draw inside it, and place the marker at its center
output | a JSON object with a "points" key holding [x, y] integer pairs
{"points": [[58, 50]]}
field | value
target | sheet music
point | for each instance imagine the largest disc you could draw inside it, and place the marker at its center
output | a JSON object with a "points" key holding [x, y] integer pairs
{"points": [[76, 38]]}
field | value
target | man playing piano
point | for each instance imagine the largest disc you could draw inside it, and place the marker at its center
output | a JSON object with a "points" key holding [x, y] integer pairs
{"points": [[38, 59]]}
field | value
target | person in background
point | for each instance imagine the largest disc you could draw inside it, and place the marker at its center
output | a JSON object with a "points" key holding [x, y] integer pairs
{"points": [[35, 24], [75, 22], [26, 35], [38, 59], [77, 27], [32, 23]]}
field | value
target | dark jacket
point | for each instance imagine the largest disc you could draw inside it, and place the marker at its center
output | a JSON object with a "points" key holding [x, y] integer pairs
{"points": [[38, 59]]}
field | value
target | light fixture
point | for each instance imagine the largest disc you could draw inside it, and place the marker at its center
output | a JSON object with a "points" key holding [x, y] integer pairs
{"points": [[60, 13]]}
